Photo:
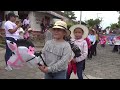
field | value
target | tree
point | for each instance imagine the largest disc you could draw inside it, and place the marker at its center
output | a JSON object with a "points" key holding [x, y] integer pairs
{"points": [[92, 23], [97, 21], [107, 27], [70, 15], [118, 19], [83, 23], [114, 26]]}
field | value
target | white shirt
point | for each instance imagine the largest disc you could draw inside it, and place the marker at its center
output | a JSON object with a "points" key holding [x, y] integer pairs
{"points": [[21, 30], [10, 25], [21, 33], [92, 38], [82, 44], [26, 21]]}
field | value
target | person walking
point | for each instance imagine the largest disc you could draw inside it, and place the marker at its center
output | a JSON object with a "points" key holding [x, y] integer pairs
{"points": [[77, 64]]}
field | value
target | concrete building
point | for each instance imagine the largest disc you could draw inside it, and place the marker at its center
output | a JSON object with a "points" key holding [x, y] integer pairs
{"points": [[36, 17]]}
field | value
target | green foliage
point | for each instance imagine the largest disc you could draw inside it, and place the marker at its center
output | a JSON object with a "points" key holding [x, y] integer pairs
{"points": [[114, 26], [70, 14], [92, 23], [69, 24]]}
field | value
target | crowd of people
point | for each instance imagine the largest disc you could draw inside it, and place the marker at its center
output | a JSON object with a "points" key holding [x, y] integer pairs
{"points": [[65, 51]]}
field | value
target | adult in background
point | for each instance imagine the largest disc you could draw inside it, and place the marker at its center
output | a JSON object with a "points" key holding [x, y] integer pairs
{"points": [[11, 34]]}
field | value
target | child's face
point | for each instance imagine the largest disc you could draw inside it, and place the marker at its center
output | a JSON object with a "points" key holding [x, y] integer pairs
{"points": [[91, 32], [78, 32], [58, 33]]}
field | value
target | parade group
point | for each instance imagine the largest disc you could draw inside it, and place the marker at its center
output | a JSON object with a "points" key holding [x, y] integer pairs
{"points": [[65, 50]]}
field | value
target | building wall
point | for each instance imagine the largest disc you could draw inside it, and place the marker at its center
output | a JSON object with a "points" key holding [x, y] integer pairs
{"points": [[36, 17]]}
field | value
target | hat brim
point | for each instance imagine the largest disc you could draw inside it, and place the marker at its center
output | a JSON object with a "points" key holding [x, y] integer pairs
{"points": [[93, 31], [66, 30], [84, 28], [30, 29], [58, 27]]}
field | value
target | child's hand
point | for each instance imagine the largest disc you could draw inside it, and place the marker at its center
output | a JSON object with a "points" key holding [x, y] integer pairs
{"points": [[43, 69], [19, 25]]}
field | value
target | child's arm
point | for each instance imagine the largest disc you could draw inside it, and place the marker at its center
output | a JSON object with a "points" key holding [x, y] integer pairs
{"points": [[63, 61], [84, 53]]}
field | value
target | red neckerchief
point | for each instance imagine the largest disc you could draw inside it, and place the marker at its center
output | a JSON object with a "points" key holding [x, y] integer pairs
{"points": [[72, 67]]}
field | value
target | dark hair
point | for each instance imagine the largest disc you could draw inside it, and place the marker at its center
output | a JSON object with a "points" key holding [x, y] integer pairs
{"points": [[24, 42], [10, 15], [79, 28]]}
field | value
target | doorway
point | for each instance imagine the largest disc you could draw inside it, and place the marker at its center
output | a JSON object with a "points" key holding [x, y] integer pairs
{"points": [[23, 14]]}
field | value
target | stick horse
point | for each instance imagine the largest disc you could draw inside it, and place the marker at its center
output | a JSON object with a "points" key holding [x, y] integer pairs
{"points": [[23, 54]]}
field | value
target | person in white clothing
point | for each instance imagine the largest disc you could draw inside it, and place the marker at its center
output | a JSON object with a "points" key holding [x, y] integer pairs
{"points": [[26, 23], [11, 34]]}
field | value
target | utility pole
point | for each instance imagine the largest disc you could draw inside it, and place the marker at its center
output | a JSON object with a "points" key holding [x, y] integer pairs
{"points": [[97, 15], [80, 16]]}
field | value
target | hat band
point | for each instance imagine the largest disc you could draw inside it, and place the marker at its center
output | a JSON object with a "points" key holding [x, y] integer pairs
{"points": [[60, 26]]}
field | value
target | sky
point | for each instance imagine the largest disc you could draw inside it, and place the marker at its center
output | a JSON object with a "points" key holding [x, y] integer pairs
{"points": [[109, 17]]}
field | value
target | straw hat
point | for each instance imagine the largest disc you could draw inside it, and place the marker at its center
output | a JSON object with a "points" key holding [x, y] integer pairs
{"points": [[60, 25], [93, 31], [84, 28]]}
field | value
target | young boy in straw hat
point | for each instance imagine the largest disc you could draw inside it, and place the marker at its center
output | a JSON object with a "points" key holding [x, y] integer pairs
{"points": [[78, 34], [56, 53]]}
